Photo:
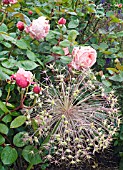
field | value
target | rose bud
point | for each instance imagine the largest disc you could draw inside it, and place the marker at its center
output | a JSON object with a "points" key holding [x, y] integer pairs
{"points": [[20, 25], [30, 12], [62, 21], [119, 5], [36, 89], [5, 1]]}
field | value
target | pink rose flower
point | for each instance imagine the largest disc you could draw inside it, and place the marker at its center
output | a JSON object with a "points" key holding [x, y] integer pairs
{"points": [[23, 78], [5, 2], [119, 5], [20, 25], [39, 28], [62, 21], [83, 57], [13, 1], [9, 1]]}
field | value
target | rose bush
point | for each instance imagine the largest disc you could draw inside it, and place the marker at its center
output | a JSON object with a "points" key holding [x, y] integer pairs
{"points": [[52, 42]]}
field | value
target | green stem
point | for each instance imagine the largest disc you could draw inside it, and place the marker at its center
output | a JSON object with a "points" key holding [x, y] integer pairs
{"points": [[32, 104], [7, 98], [4, 17], [29, 167]]}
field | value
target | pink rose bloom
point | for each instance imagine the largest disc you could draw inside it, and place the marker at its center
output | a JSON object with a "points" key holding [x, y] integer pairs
{"points": [[9, 1], [5, 2], [62, 21], [23, 78], [13, 1], [39, 28], [119, 5], [83, 57]]}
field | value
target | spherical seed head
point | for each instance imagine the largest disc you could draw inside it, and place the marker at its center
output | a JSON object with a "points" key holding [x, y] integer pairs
{"points": [[83, 117]]}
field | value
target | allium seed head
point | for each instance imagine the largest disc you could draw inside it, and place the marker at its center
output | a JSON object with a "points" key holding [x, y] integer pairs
{"points": [[85, 119]]}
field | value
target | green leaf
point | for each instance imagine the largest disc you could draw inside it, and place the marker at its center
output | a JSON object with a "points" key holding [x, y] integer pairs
{"points": [[117, 77], [18, 139], [103, 46], [6, 44], [9, 38], [31, 55], [72, 13], [10, 63], [31, 155], [14, 113], [65, 43], [7, 71], [34, 125], [121, 164], [0, 92], [119, 34], [8, 155], [9, 87], [65, 59], [27, 19], [102, 31], [106, 83], [109, 14], [3, 107], [116, 20], [16, 5], [2, 139], [73, 23], [3, 76], [116, 143], [18, 121], [95, 46], [3, 53], [7, 118], [72, 35], [3, 28], [22, 44], [121, 135], [58, 50], [9, 9], [114, 70], [3, 129], [27, 64], [2, 167], [39, 61], [48, 58]]}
